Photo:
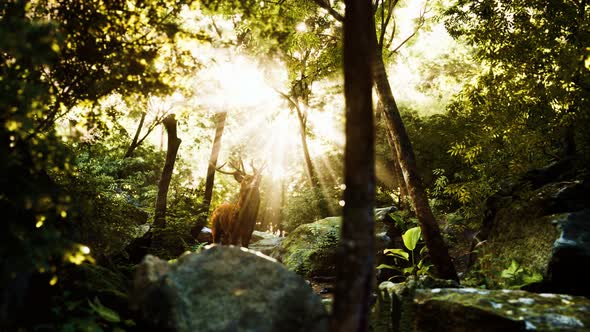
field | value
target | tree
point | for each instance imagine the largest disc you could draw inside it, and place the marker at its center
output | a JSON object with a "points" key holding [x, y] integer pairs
{"points": [[405, 155], [138, 138], [402, 145], [212, 165], [105, 47], [164, 183], [355, 265], [312, 176], [529, 104]]}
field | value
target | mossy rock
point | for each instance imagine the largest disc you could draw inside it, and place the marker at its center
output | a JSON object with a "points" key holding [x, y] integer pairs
{"points": [[394, 309], [225, 288], [470, 309], [311, 248], [521, 231]]}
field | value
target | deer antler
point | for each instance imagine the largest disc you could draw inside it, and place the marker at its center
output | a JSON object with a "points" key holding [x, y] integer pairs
{"points": [[239, 171]]}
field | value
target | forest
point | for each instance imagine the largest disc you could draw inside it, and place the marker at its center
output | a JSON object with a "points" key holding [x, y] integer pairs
{"points": [[294, 165]]}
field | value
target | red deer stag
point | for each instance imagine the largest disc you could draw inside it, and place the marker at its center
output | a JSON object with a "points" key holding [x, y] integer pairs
{"points": [[233, 223]]}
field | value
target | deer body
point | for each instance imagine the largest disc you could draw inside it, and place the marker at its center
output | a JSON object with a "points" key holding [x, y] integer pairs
{"points": [[222, 222], [233, 223]]}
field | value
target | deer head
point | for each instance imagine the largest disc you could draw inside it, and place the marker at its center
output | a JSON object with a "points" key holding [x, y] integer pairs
{"points": [[235, 222]]}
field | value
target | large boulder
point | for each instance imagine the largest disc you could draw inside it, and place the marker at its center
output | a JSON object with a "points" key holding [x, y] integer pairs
{"points": [[470, 309], [570, 252], [224, 288], [419, 305], [310, 250], [520, 226]]}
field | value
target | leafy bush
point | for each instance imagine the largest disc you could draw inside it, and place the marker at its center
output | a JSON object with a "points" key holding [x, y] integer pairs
{"points": [[410, 239], [517, 276]]}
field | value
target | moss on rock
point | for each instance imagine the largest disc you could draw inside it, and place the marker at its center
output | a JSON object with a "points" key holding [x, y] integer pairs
{"points": [[470, 309], [311, 248]]}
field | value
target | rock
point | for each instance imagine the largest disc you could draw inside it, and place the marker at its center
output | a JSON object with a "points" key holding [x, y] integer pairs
{"points": [[258, 235], [310, 250], [225, 288], [519, 226], [205, 235], [394, 310], [470, 309], [382, 218], [571, 251], [574, 196], [266, 245]]}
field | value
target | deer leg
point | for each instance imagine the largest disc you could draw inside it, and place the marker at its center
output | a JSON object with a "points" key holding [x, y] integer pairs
{"points": [[235, 239], [216, 232], [247, 236]]}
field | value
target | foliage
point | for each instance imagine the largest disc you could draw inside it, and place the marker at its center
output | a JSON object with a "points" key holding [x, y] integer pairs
{"points": [[106, 47], [517, 276], [302, 206], [528, 106], [55, 55], [410, 239], [87, 297], [34, 209]]}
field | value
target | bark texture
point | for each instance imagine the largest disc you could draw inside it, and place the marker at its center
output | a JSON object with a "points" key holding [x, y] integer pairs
{"points": [[437, 248], [355, 268], [164, 184]]}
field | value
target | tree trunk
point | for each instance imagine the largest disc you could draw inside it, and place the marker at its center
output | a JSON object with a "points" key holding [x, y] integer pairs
{"points": [[173, 144], [355, 267], [398, 173], [219, 127], [405, 154], [308, 164], [135, 143]]}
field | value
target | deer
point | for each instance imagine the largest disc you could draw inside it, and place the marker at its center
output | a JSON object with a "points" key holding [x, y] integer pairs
{"points": [[233, 223]]}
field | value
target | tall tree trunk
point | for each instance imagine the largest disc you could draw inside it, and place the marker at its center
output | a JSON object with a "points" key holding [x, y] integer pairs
{"points": [[308, 163], [430, 230], [397, 172], [164, 184], [219, 127], [355, 268]]}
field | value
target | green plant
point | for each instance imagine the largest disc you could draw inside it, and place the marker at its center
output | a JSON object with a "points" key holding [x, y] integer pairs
{"points": [[198, 247], [410, 239], [516, 276]]}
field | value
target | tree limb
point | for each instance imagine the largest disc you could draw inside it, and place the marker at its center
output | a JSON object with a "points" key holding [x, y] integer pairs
{"points": [[326, 5]]}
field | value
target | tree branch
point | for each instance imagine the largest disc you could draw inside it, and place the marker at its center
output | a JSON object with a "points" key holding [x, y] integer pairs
{"points": [[326, 5], [421, 21]]}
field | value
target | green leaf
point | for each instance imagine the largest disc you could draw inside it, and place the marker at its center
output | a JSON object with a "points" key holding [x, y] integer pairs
{"points": [[397, 218], [389, 267], [106, 313], [512, 271], [411, 237], [400, 253], [423, 251], [529, 279]]}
